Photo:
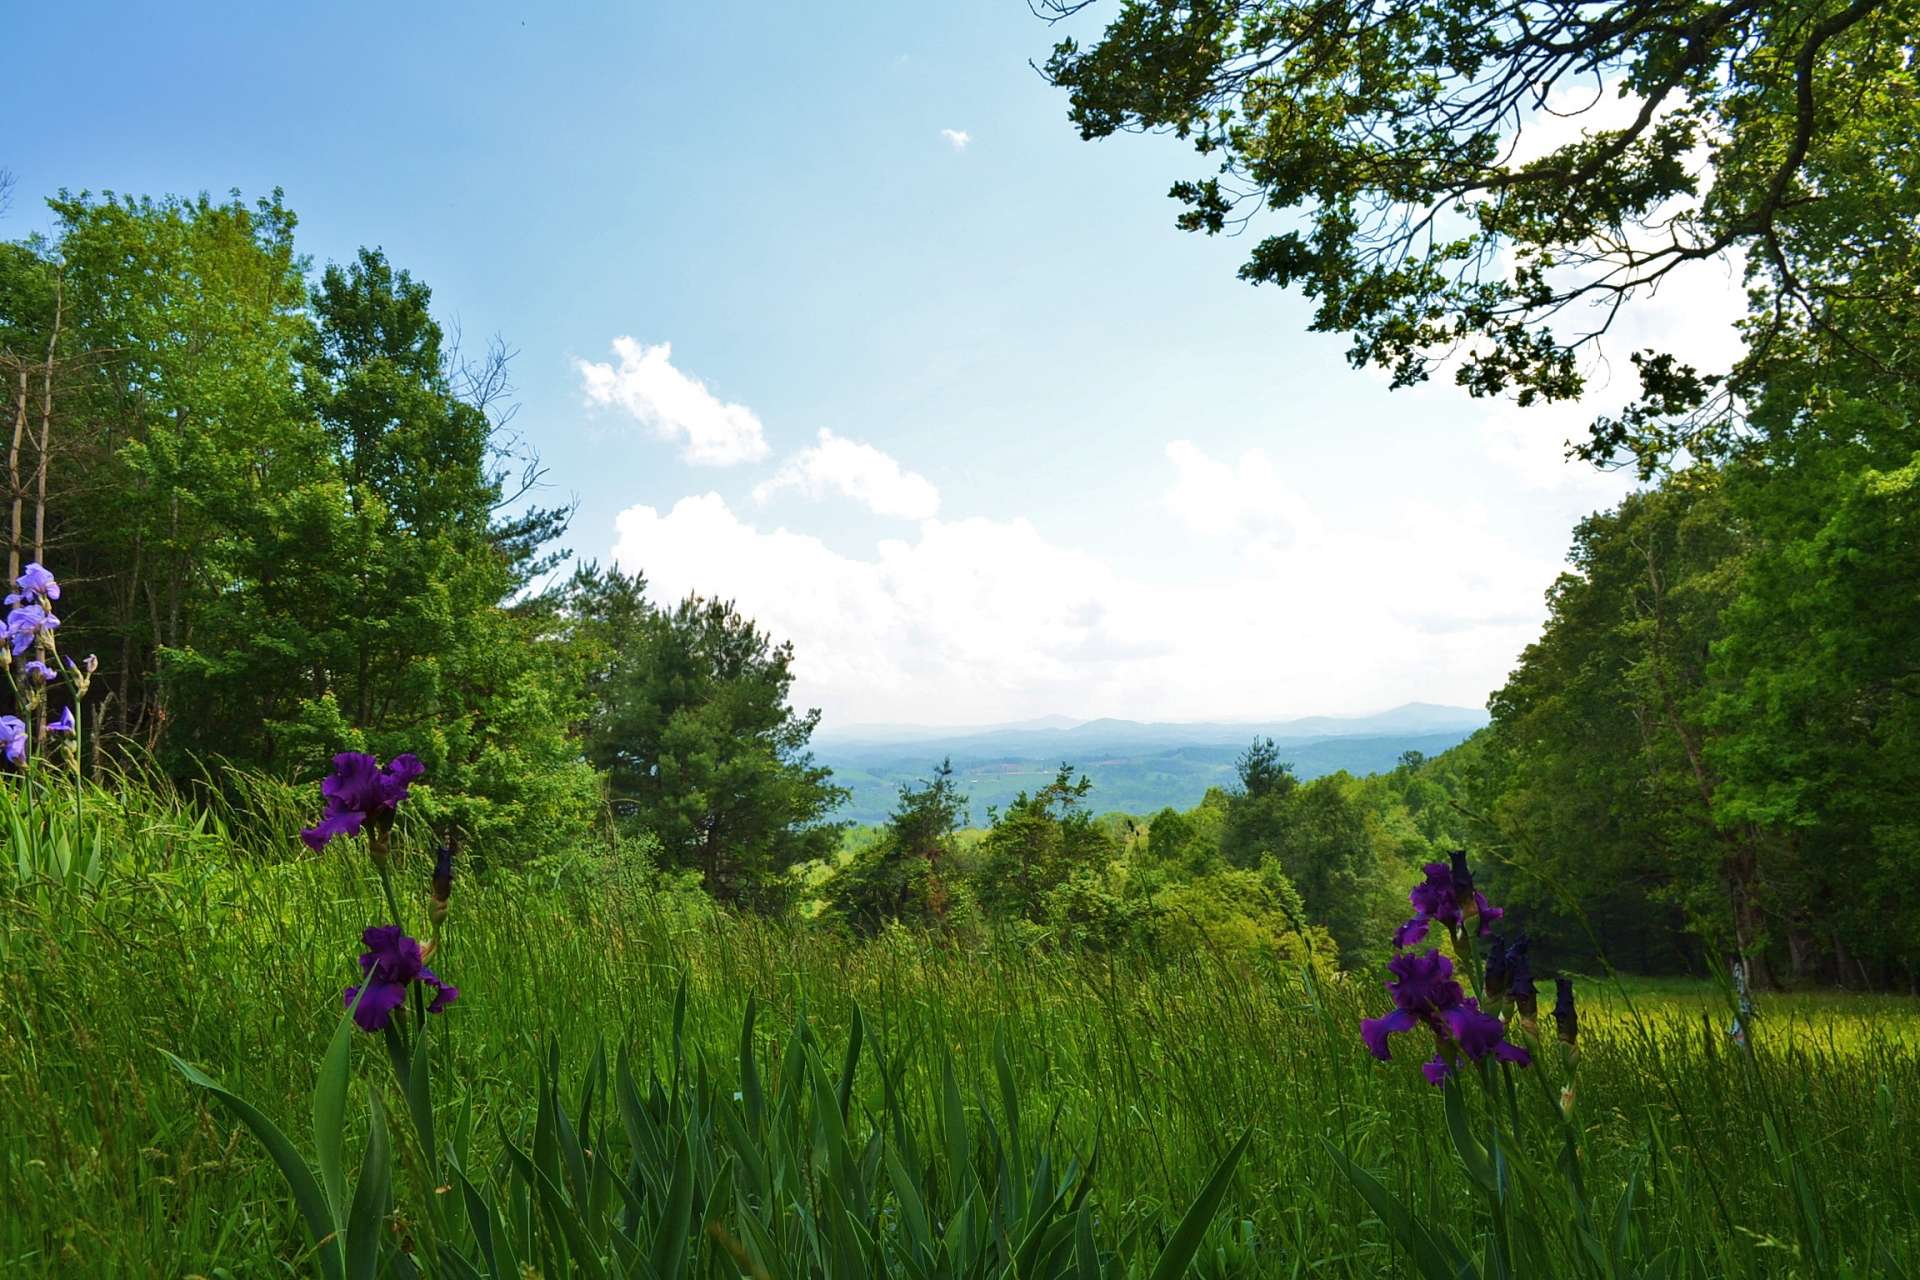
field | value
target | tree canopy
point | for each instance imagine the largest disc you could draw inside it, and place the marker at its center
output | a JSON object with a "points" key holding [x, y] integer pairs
{"points": [[1491, 183]]}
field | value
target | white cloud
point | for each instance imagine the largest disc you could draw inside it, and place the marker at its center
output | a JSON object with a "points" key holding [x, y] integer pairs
{"points": [[957, 138], [857, 471], [674, 405], [977, 620], [1244, 498]]}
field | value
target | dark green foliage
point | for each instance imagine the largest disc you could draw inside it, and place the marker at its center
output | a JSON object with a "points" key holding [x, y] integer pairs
{"points": [[285, 507], [1315, 833], [691, 724], [907, 874], [1037, 845]]}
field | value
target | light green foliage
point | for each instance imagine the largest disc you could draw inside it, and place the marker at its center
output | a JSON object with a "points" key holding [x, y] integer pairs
{"points": [[1040, 843], [1246, 916]]}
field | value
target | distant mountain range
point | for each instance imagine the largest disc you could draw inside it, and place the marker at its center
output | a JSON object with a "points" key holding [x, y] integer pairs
{"points": [[1136, 767]]}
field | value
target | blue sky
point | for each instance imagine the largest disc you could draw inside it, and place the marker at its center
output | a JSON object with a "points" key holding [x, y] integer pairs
{"points": [[1074, 466]]}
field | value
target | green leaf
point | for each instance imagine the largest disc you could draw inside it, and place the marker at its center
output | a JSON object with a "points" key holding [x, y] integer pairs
{"points": [[854, 1035], [670, 1238], [368, 1221], [480, 1216], [1473, 1154], [330, 1115], [307, 1196], [1185, 1241], [1413, 1236], [750, 1095], [420, 1100]]}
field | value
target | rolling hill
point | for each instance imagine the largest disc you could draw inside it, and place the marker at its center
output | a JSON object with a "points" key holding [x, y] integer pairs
{"points": [[1136, 766]]}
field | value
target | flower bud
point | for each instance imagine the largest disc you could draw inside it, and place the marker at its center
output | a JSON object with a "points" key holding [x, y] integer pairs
{"points": [[440, 887], [1565, 1017]]}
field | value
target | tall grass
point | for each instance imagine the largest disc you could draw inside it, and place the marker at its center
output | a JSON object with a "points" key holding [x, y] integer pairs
{"points": [[199, 933]]}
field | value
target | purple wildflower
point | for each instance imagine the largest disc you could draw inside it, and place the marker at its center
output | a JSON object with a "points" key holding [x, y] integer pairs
{"points": [[28, 623], [391, 961], [1423, 985], [1479, 1034], [34, 580], [1427, 995], [13, 738], [39, 672], [1438, 899], [444, 993], [64, 724], [359, 789]]}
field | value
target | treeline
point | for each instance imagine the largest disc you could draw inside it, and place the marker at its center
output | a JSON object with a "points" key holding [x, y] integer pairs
{"points": [[1717, 736], [1300, 872], [292, 518]]}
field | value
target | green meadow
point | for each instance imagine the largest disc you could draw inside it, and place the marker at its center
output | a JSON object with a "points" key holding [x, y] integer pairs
{"points": [[182, 932]]}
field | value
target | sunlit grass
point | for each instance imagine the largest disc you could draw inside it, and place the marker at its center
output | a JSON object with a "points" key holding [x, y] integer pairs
{"points": [[110, 1165]]}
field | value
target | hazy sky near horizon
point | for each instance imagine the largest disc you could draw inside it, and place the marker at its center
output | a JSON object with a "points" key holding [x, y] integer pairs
{"points": [[827, 309]]}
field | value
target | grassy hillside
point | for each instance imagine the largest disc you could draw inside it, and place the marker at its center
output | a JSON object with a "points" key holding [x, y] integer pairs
{"points": [[183, 936]]}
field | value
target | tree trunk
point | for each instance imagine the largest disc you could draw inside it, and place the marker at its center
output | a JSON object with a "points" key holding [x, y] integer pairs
{"points": [[14, 489], [46, 428]]}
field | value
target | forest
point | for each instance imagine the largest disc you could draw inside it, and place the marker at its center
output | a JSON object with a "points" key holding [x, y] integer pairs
{"points": [[301, 650]]}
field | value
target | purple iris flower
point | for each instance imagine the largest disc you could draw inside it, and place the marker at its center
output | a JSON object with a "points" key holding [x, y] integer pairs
{"points": [[40, 672], [359, 789], [34, 580], [1437, 899], [1425, 993], [64, 724], [1423, 985], [391, 961], [13, 738], [1479, 1034], [444, 993], [26, 624]]}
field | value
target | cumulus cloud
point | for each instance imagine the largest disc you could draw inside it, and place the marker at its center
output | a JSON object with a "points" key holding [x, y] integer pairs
{"points": [[957, 138], [980, 619], [968, 615], [857, 471], [673, 404], [1245, 497]]}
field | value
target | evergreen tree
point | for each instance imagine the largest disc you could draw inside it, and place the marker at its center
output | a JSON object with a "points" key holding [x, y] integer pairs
{"points": [[692, 726], [907, 874]]}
